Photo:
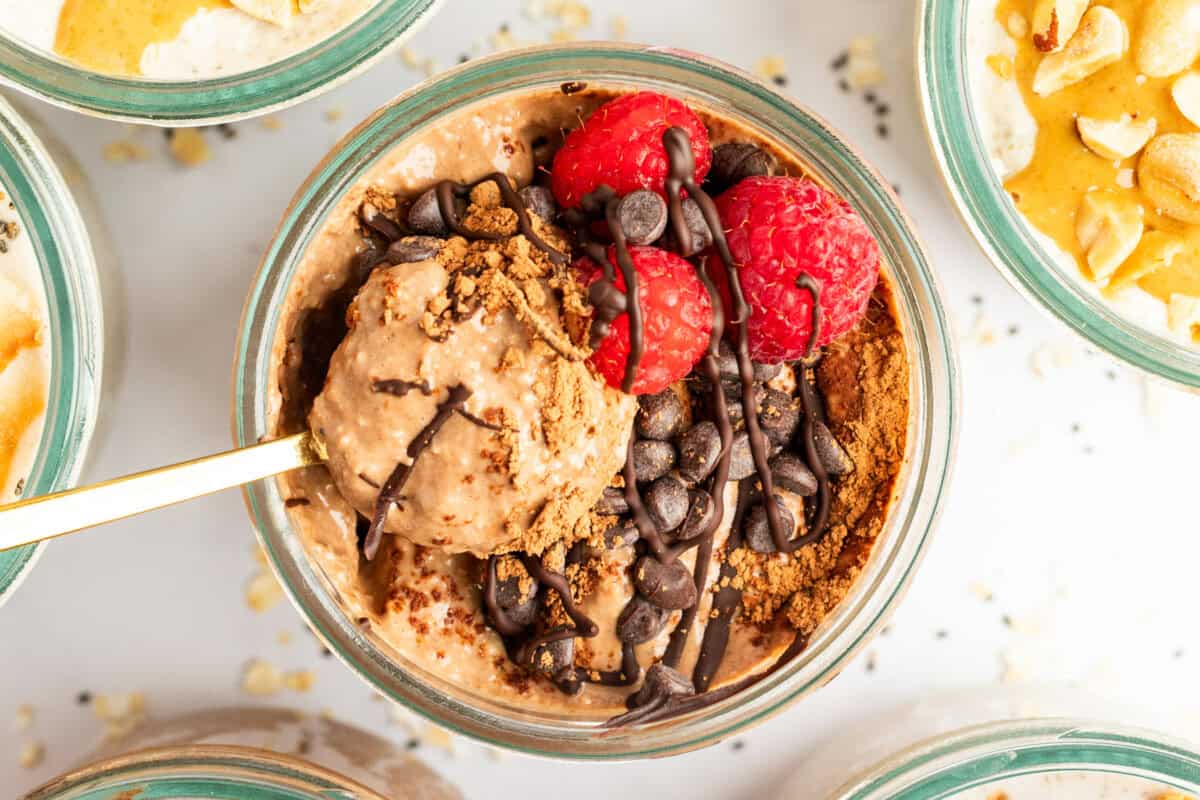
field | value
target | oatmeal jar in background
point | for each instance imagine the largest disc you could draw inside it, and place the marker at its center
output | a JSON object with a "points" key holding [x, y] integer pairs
{"points": [[52, 275], [1032, 759], [931, 424], [954, 41], [250, 754], [196, 85], [974, 744]]}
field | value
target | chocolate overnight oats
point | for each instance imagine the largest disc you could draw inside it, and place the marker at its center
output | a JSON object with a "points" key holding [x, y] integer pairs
{"points": [[571, 502]]}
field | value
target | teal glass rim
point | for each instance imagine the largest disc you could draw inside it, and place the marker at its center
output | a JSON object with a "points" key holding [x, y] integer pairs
{"points": [[51, 218], [209, 771], [211, 101], [934, 391], [958, 148], [984, 755]]}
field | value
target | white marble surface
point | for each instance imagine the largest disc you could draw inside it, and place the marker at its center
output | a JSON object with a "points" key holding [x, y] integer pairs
{"points": [[1073, 505]]}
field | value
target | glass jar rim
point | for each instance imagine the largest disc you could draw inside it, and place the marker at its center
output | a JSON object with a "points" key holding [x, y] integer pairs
{"points": [[705, 81], [221, 772], [980, 755], [51, 218], [986, 209], [215, 100]]}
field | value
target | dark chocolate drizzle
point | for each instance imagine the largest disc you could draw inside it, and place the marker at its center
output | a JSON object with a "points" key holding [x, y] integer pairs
{"points": [[728, 599], [682, 175], [480, 421], [584, 626], [389, 495], [817, 513], [400, 388], [603, 203], [666, 708], [725, 603], [449, 191]]}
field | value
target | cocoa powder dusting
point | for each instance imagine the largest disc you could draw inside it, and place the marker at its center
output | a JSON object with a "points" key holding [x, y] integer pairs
{"points": [[864, 379]]}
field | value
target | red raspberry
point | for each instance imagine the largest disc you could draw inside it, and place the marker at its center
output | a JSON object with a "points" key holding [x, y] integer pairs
{"points": [[677, 320], [621, 145], [778, 228]]}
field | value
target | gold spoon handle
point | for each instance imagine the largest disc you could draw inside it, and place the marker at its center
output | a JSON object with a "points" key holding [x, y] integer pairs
{"points": [[53, 515]]}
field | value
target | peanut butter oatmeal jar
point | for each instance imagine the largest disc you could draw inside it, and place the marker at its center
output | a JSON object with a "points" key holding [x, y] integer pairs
{"points": [[1034, 759], [452, 112], [52, 327], [1022, 150], [249, 754], [189, 62]]}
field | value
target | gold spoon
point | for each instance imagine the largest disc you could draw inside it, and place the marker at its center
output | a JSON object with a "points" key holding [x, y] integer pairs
{"points": [[50, 516]]}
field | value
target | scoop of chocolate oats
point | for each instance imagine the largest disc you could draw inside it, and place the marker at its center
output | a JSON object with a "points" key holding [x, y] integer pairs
{"points": [[533, 438]]}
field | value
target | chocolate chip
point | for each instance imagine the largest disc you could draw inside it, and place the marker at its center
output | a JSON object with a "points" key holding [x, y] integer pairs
{"points": [[652, 459], [663, 681], [733, 393], [791, 473], [612, 502], [766, 372], [520, 606], [580, 552], [832, 455], [660, 416], [523, 613], [757, 529], [779, 417], [741, 462], [551, 659], [641, 621], [700, 513], [374, 219], [642, 215], [543, 152], [621, 536], [736, 413], [509, 594], [733, 162], [727, 363], [669, 586], [412, 249], [699, 450], [701, 235], [425, 217], [540, 201], [667, 503]]}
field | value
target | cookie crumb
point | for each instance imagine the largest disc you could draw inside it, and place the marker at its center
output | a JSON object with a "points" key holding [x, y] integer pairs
{"points": [[121, 713], [24, 717], [32, 754], [124, 151], [189, 148], [263, 592]]}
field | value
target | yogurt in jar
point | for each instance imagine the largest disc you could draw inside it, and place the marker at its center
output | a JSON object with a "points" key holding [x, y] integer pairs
{"points": [[176, 39], [24, 354], [1083, 785], [1146, 265]]}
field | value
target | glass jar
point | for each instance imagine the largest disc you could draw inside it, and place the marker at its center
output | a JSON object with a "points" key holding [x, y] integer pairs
{"points": [[250, 754], [985, 761], [933, 415], [944, 74], [50, 216], [225, 99]]}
